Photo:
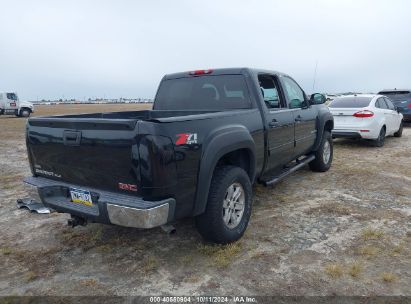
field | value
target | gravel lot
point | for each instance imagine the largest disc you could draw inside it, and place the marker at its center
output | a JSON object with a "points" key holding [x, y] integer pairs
{"points": [[344, 232]]}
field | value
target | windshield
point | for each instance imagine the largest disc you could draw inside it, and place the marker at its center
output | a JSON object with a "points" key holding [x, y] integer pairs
{"points": [[351, 102], [221, 92]]}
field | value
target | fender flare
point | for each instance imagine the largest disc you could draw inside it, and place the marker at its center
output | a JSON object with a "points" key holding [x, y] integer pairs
{"points": [[217, 144], [322, 120]]}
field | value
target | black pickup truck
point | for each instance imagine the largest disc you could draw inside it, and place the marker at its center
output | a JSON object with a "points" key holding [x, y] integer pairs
{"points": [[210, 136]]}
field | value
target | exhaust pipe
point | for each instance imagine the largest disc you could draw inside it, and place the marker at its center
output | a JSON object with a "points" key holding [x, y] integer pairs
{"points": [[75, 221], [169, 229]]}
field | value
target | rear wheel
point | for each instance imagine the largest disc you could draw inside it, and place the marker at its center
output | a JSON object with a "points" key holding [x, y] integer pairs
{"points": [[228, 207], [324, 154], [379, 142], [399, 132]]}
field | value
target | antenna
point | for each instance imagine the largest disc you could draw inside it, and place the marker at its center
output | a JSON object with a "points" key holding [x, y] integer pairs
{"points": [[315, 74]]}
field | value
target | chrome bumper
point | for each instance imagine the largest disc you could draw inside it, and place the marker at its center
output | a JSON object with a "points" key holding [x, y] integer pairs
{"points": [[110, 207], [138, 218]]}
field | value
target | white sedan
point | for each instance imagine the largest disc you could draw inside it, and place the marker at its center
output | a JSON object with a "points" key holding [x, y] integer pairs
{"points": [[365, 116]]}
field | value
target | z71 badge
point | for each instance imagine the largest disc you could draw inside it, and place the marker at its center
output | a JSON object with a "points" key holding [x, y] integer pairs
{"points": [[186, 139]]}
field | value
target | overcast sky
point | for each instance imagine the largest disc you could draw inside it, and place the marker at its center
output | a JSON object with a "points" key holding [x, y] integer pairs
{"points": [[76, 49]]}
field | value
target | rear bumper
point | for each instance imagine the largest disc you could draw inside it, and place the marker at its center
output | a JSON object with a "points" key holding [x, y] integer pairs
{"points": [[345, 134], [108, 207], [406, 116]]}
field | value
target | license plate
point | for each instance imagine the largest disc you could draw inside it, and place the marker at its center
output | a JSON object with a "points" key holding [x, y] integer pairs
{"points": [[81, 197]]}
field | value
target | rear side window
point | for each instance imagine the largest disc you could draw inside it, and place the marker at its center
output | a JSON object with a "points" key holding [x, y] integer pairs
{"points": [[351, 102], [389, 104], [222, 92], [380, 103]]}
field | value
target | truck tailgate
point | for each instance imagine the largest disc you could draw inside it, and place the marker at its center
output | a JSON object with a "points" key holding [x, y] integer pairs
{"points": [[93, 152]]}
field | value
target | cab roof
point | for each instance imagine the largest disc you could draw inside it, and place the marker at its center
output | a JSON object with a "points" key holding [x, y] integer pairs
{"points": [[224, 71]]}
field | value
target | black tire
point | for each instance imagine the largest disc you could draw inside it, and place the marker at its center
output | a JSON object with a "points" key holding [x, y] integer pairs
{"points": [[379, 142], [322, 163], [399, 132], [211, 224], [24, 113]]}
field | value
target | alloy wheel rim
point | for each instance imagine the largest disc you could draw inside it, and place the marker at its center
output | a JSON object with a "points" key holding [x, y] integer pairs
{"points": [[326, 152], [233, 205]]}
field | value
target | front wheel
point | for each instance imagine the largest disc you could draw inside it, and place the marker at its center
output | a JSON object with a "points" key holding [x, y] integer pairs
{"points": [[228, 207], [25, 113], [324, 154]]}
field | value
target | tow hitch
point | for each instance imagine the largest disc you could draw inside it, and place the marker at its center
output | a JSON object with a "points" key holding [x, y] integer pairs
{"points": [[75, 221]]}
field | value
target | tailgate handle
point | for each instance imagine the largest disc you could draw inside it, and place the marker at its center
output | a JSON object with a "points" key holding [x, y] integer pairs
{"points": [[72, 138]]}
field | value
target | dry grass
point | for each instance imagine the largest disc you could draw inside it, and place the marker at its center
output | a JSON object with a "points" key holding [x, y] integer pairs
{"points": [[368, 251], [388, 277], [372, 234], [334, 270], [397, 250], [92, 283], [6, 250], [222, 256], [30, 276], [150, 264], [355, 269], [332, 208]]}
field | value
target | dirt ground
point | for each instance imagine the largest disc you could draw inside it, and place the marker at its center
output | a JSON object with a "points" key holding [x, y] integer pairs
{"points": [[343, 232]]}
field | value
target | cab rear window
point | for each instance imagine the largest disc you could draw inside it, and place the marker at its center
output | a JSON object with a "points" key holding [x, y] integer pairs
{"points": [[220, 92], [351, 102]]}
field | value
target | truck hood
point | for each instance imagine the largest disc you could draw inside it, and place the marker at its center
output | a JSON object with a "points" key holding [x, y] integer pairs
{"points": [[26, 104]]}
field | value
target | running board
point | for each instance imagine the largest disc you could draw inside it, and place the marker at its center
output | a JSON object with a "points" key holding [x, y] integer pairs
{"points": [[289, 170]]}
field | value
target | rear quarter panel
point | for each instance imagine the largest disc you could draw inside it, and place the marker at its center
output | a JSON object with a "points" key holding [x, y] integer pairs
{"points": [[190, 154]]}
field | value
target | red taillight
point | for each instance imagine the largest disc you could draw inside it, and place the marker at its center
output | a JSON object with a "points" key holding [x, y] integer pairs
{"points": [[200, 72], [363, 114], [409, 105]]}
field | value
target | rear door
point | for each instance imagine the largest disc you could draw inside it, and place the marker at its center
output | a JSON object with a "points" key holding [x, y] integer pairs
{"points": [[305, 116], [395, 116], [388, 117], [280, 121]]}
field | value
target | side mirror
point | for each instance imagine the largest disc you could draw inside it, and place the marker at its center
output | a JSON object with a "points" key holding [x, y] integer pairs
{"points": [[317, 98]]}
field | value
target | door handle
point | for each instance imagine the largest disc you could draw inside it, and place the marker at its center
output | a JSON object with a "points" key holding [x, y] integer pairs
{"points": [[71, 138], [298, 118], [274, 123]]}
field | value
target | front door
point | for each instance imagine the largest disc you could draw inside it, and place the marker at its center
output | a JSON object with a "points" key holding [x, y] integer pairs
{"points": [[305, 116], [280, 123]]}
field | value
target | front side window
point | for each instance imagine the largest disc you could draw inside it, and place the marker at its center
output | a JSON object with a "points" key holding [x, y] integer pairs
{"points": [[293, 92], [11, 96], [269, 91]]}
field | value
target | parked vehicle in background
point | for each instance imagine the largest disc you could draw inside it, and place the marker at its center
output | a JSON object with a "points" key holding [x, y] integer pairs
{"points": [[401, 99], [366, 116], [11, 105], [210, 135]]}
